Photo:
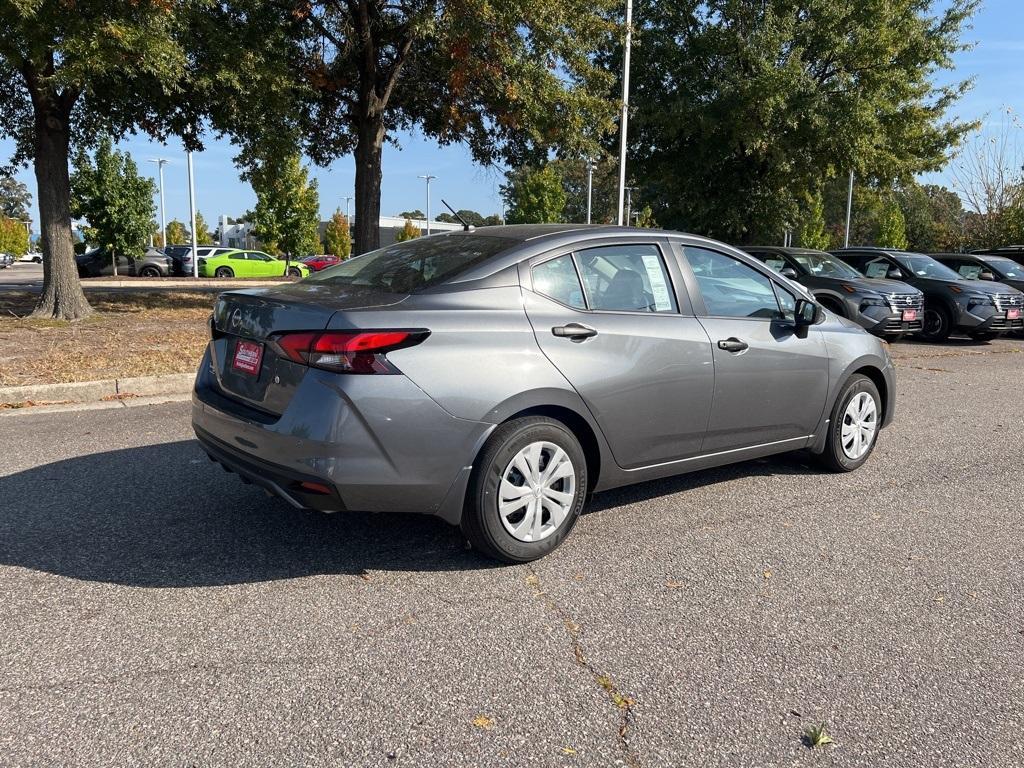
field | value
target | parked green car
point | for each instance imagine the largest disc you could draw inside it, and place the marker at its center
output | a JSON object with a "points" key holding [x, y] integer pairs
{"points": [[249, 264]]}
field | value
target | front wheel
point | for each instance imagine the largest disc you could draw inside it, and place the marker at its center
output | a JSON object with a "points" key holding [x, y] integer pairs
{"points": [[294, 272], [937, 323], [853, 428], [223, 272], [528, 487], [150, 272]]}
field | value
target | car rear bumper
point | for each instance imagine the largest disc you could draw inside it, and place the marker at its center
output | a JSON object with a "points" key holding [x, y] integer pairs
{"points": [[379, 443]]}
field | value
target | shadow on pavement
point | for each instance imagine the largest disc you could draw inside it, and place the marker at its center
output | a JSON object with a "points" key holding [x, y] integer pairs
{"points": [[164, 516]]}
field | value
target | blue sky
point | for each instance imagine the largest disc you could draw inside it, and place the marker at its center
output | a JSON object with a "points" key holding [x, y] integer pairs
{"points": [[996, 63]]}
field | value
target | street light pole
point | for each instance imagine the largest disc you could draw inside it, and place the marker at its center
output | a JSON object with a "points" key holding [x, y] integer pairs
{"points": [[629, 204], [348, 216], [624, 117], [192, 216], [161, 162], [428, 178], [849, 208], [590, 185]]}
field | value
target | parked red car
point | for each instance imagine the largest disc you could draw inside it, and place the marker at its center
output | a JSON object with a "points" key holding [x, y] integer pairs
{"points": [[316, 263]]}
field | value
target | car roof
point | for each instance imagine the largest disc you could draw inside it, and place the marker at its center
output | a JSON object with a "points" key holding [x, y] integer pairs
{"points": [[786, 249]]}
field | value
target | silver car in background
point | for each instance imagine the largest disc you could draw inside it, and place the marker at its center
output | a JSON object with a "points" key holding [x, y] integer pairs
{"points": [[495, 378]]}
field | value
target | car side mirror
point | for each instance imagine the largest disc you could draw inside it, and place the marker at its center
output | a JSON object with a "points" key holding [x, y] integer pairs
{"points": [[807, 313], [788, 272], [895, 274], [986, 275]]}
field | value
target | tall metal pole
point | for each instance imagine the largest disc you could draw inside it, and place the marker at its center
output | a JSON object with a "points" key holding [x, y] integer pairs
{"points": [[629, 204], [161, 162], [348, 201], [192, 216], [590, 185], [624, 117], [428, 178], [849, 208]]}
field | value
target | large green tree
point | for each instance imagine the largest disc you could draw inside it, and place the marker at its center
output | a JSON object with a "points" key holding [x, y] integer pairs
{"points": [[13, 236], [69, 71], [743, 107], [535, 195], [934, 218], [287, 213], [108, 192], [14, 198], [507, 79], [338, 235]]}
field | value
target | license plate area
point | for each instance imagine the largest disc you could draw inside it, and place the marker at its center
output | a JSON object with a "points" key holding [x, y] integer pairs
{"points": [[1013, 314], [247, 357], [909, 315]]}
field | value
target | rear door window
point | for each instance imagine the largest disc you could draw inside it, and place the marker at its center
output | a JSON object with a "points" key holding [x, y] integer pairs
{"points": [[557, 279], [626, 278]]}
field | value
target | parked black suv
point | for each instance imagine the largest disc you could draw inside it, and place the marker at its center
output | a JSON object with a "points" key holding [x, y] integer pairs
{"points": [[886, 308], [982, 310], [1014, 252], [983, 266]]}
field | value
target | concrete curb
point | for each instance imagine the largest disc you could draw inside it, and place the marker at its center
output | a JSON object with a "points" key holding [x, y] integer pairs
{"points": [[98, 391], [101, 405]]}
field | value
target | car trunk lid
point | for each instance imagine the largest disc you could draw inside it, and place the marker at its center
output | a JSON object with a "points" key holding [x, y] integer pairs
{"points": [[246, 364]]}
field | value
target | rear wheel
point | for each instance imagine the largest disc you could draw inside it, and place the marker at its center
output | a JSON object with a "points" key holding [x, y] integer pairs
{"points": [[527, 490], [937, 323], [150, 271], [223, 272], [853, 428]]}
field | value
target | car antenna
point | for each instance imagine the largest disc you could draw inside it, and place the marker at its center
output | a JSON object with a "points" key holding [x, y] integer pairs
{"points": [[465, 224]]}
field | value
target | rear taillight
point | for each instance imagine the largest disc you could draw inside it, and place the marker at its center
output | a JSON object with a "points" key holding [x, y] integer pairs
{"points": [[346, 351]]}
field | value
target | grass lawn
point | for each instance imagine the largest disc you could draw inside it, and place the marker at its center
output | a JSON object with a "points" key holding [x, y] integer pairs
{"points": [[133, 334]]}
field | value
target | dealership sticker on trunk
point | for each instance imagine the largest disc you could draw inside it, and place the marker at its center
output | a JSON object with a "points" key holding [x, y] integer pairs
{"points": [[248, 356], [909, 315]]}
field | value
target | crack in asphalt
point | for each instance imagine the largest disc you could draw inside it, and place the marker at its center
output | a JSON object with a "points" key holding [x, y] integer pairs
{"points": [[624, 704]]}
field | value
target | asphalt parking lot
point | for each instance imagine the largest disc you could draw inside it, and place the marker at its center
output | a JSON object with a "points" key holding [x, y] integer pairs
{"points": [[157, 611]]}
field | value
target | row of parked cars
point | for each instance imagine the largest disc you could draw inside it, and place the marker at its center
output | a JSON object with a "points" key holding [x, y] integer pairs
{"points": [[214, 261], [893, 293]]}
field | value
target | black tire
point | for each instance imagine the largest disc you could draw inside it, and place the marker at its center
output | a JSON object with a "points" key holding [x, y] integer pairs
{"points": [[894, 337], [938, 323], [294, 272], [223, 272], [833, 457], [149, 271], [989, 336], [37, 260], [481, 521]]}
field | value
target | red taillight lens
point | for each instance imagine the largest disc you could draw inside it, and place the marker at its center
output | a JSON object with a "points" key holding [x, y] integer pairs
{"points": [[346, 351]]}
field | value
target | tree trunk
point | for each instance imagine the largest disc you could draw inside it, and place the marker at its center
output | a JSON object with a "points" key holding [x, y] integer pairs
{"points": [[62, 296], [368, 180]]}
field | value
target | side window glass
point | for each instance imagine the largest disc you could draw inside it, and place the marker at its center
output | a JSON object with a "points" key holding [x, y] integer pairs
{"points": [[626, 278], [968, 270], [240, 256], [787, 301], [731, 288], [557, 279]]}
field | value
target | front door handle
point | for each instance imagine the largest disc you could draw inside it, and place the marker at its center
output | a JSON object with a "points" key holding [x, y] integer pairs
{"points": [[732, 344], [574, 331]]}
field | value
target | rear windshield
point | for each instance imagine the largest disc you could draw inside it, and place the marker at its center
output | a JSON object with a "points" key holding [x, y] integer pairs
{"points": [[415, 264]]}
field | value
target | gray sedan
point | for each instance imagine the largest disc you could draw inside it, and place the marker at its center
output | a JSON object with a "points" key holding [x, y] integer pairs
{"points": [[495, 378]]}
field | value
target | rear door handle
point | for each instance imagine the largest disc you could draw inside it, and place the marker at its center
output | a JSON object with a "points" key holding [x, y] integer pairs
{"points": [[732, 344], [573, 331]]}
